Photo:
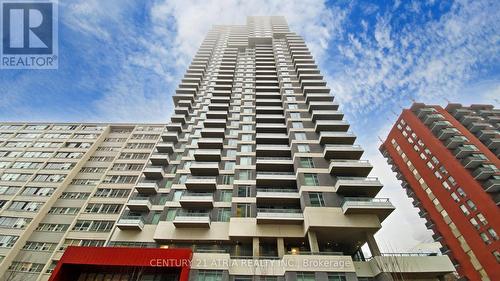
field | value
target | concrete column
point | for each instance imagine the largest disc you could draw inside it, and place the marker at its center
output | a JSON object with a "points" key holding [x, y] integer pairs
{"points": [[372, 244], [280, 242], [313, 241], [256, 246]]}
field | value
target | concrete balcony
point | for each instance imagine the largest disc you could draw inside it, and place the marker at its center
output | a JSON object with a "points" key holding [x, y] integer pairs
{"points": [[165, 147], [352, 186], [182, 97], [422, 112], [174, 127], [488, 134], [139, 204], [277, 196], [276, 179], [463, 151], [181, 110], [322, 105], [478, 126], [207, 155], [350, 168], [201, 183], [269, 109], [466, 120], [218, 106], [381, 207], [327, 115], [197, 200], [282, 164], [446, 133], [473, 161], [331, 125], [270, 118], [430, 118], [178, 118], [279, 216], [312, 97], [147, 187], [493, 143], [204, 169], [342, 151], [159, 159], [482, 173], [192, 219], [492, 185], [221, 115], [215, 123], [220, 99], [270, 138], [221, 93], [455, 141], [154, 172], [211, 143], [312, 82], [273, 150], [336, 138], [271, 128], [269, 102], [438, 125], [213, 132], [130, 223], [170, 137], [460, 112]]}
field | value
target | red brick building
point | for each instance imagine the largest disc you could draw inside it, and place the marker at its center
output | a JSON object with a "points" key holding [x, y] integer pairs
{"points": [[447, 160]]}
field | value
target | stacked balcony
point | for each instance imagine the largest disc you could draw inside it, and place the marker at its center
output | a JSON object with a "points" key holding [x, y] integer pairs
{"points": [[350, 168], [381, 207], [190, 219], [342, 151], [130, 223], [357, 186]]}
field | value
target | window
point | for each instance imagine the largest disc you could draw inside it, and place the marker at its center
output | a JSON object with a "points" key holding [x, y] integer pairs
{"points": [[245, 160], [40, 191], [471, 205], [226, 195], [336, 277], [306, 162], [229, 165], [93, 226], [464, 210], [303, 148], [246, 148], [245, 175], [305, 276], [473, 221], [316, 199], [14, 222], [111, 193], [7, 241], [26, 267], [242, 210], [482, 219], [39, 246], [99, 208], [120, 179], [485, 238], [27, 206], [244, 191], [300, 136], [75, 195], [171, 213], [297, 125], [209, 275], [311, 179], [224, 214], [493, 233], [64, 210], [51, 227], [227, 179]]}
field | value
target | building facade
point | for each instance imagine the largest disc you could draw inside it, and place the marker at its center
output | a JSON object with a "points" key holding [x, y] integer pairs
{"points": [[447, 160], [257, 176]]}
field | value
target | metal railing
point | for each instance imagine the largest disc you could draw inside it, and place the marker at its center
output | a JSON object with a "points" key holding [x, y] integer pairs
{"points": [[358, 178], [288, 190], [276, 173]]}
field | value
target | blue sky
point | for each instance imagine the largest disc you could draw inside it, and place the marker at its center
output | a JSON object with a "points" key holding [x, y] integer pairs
{"points": [[121, 60]]}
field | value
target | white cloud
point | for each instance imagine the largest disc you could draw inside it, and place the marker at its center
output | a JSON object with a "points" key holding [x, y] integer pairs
{"points": [[427, 62]]}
